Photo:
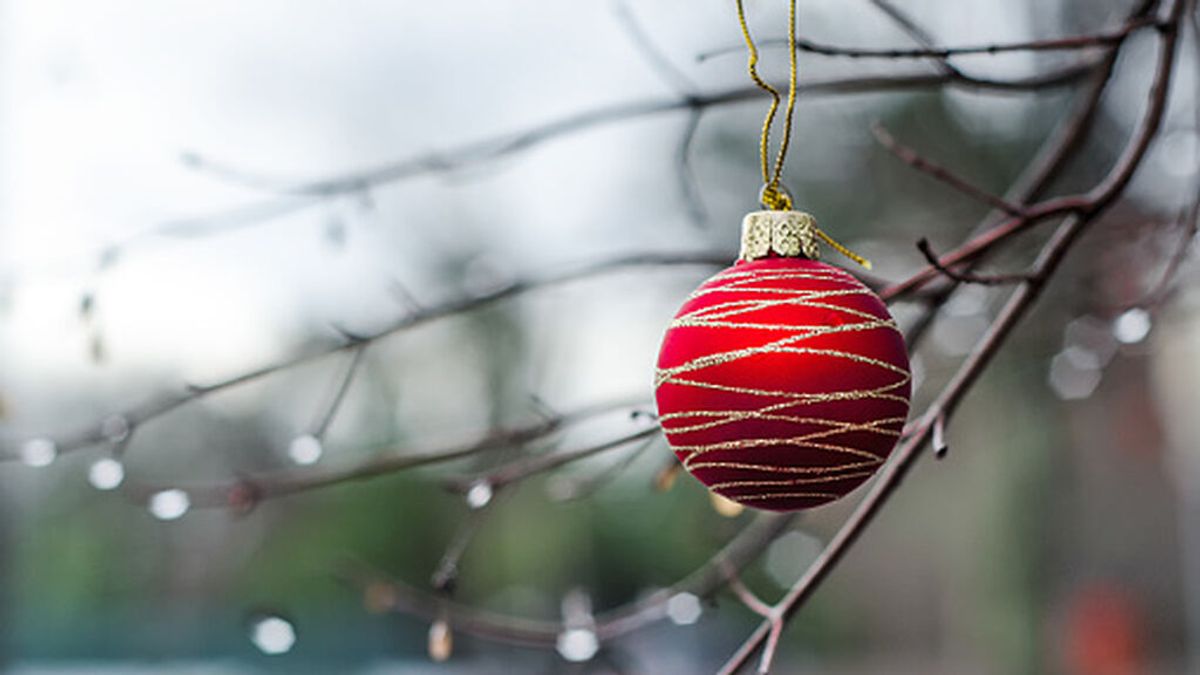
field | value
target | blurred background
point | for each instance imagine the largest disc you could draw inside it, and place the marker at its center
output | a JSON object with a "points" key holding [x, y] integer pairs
{"points": [[149, 241]]}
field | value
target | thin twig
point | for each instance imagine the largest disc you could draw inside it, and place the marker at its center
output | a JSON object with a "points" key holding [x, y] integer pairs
{"points": [[445, 576], [1190, 218], [671, 75], [689, 188], [772, 645], [743, 549], [914, 30], [1074, 42], [585, 487], [920, 163], [768, 613], [499, 147], [746, 596], [1190, 221], [1063, 144], [521, 469], [339, 395], [977, 246], [967, 277], [290, 482]]}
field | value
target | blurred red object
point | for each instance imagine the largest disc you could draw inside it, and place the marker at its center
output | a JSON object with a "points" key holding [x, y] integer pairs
{"points": [[1103, 633]]}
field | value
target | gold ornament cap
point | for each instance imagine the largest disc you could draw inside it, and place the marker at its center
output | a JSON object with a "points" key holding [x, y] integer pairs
{"points": [[788, 234]]}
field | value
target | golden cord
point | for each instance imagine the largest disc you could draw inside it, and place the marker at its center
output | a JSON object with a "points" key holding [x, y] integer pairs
{"points": [[843, 250], [773, 196]]}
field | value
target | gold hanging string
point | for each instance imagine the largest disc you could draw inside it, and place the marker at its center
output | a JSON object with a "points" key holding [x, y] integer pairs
{"points": [[773, 195], [843, 250]]}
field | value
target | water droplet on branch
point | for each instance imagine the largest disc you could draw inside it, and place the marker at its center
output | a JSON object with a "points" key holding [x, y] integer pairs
{"points": [[684, 609], [106, 474], [1132, 326], [441, 641], [115, 428], [479, 494], [578, 644], [169, 504], [305, 450], [39, 452], [273, 635]]}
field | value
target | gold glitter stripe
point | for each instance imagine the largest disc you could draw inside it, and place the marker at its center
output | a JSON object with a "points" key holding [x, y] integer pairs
{"points": [[806, 398], [739, 275], [810, 331], [789, 495], [738, 307], [774, 407], [775, 347], [772, 468], [741, 444], [729, 417], [830, 293], [788, 481], [695, 451], [838, 288], [716, 311], [841, 287]]}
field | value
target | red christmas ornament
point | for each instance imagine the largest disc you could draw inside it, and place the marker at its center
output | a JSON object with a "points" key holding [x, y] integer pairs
{"points": [[783, 382]]}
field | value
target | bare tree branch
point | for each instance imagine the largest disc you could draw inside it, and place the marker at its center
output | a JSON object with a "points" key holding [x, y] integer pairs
{"points": [[1069, 43], [585, 487], [155, 408], [445, 576], [339, 395], [1041, 172], [967, 277], [672, 76], [1190, 221], [916, 32], [502, 146], [689, 189], [286, 483], [529, 466], [610, 625], [920, 163]]}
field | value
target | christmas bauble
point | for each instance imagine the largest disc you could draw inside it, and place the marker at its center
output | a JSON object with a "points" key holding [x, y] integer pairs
{"points": [[783, 382]]}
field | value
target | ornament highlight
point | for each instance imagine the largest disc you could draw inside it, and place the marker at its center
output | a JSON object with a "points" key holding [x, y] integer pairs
{"points": [[783, 382]]}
